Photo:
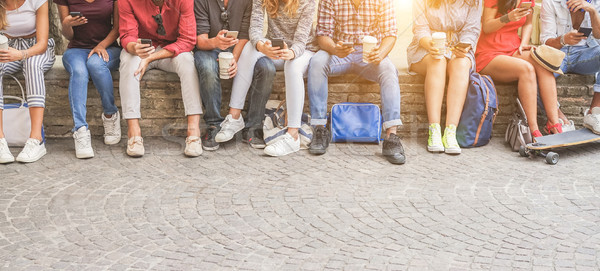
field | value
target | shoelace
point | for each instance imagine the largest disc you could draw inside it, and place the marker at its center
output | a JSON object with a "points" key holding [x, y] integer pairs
{"points": [[29, 147], [83, 140], [137, 142], [319, 136], [110, 128], [451, 138], [436, 135]]}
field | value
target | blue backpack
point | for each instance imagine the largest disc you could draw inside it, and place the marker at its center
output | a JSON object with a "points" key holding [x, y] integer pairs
{"points": [[479, 112]]}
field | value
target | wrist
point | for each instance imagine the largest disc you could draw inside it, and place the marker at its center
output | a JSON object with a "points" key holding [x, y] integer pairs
{"points": [[562, 40], [505, 19]]}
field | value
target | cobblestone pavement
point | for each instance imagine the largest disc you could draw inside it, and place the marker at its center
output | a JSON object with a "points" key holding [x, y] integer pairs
{"points": [[349, 209]]}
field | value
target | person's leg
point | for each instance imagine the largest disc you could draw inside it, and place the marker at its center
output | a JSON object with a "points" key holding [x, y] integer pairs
{"points": [[434, 71], [318, 75], [210, 85], [435, 84], [547, 87], [183, 65], [74, 61], [458, 82], [129, 90], [261, 87], [243, 79], [102, 78], [509, 69]]}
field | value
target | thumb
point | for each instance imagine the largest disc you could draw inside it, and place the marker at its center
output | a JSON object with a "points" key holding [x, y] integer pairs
{"points": [[91, 53]]}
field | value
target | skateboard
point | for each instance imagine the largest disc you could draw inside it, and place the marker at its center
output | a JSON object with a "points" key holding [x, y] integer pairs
{"points": [[543, 144]]}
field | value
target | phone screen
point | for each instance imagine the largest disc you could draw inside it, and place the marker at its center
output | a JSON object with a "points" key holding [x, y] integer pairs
{"points": [[232, 34], [585, 30], [277, 43], [75, 14], [146, 41], [526, 5]]}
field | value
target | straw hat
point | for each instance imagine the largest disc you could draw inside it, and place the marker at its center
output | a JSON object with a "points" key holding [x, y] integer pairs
{"points": [[548, 57]]}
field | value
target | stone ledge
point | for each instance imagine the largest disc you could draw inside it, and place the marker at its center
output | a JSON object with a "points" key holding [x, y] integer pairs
{"points": [[162, 107]]}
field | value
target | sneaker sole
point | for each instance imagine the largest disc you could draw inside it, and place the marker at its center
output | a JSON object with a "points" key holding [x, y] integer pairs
{"points": [[32, 159], [256, 146], [317, 151], [134, 155], [277, 155], [210, 148], [452, 151], [223, 140], [435, 149], [591, 129], [112, 142], [84, 156], [7, 161]]}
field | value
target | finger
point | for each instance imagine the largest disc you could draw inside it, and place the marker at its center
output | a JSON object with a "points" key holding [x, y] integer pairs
{"points": [[105, 56], [90, 54]]}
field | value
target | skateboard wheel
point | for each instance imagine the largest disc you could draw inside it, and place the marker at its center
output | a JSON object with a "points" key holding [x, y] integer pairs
{"points": [[552, 158], [523, 151]]}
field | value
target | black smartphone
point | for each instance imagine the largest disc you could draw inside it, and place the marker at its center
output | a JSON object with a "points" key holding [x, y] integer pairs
{"points": [[146, 41], [277, 43], [75, 14], [585, 31]]}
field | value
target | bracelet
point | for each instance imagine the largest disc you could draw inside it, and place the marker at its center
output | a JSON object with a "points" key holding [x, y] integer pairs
{"points": [[24, 54], [562, 40], [505, 19]]}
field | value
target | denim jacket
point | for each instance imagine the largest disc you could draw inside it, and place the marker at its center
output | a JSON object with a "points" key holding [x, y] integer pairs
{"points": [[556, 21]]}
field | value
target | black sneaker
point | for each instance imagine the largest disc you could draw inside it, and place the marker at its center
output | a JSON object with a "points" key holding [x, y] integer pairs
{"points": [[208, 139], [254, 137], [320, 140], [393, 150]]}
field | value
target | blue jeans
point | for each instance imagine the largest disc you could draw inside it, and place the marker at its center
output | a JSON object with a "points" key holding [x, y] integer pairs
{"points": [[582, 60], [322, 65], [210, 88], [80, 69]]}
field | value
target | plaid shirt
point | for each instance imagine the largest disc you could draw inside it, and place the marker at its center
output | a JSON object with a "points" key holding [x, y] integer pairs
{"points": [[341, 21]]}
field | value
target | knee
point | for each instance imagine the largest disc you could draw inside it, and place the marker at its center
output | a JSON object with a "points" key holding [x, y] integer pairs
{"points": [[204, 62], [319, 62], [185, 64], [129, 63], [459, 65], [526, 71], [96, 63], [388, 70], [264, 67]]}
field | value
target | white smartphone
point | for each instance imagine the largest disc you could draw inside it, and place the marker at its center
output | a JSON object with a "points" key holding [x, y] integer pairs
{"points": [[232, 34]]}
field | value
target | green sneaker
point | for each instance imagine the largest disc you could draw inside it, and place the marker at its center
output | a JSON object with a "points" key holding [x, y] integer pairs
{"points": [[434, 143], [449, 139]]}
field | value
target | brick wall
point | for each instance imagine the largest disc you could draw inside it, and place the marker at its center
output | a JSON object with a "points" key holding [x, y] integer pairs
{"points": [[162, 107]]}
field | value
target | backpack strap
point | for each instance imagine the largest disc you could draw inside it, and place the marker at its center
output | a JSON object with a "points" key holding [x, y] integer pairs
{"points": [[485, 110]]}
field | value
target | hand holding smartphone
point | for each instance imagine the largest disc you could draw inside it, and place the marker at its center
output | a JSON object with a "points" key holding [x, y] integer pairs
{"points": [[231, 34], [527, 5], [75, 14], [586, 31], [146, 41], [278, 43]]}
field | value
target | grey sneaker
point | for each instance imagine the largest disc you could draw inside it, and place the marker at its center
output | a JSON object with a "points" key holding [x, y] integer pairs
{"points": [[591, 120], [83, 143], [5, 155], [112, 129], [208, 139], [33, 151]]}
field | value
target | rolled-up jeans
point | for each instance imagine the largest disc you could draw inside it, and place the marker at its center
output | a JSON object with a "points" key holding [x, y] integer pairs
{"points": [[323, 65], [294, 71], [211, 93], [129, 85]]}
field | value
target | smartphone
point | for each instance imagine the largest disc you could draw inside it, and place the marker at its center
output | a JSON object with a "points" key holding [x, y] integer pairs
{"points": [[231, 34], [75, 14], [585, 31], [277, 43], [527, 5], [347, 44], [463, 45], [146, 41]]}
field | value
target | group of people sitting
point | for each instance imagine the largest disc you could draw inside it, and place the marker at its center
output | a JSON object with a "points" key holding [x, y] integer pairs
{"points": [[191, 38]]}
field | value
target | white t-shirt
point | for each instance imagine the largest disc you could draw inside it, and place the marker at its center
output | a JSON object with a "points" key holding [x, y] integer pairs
{"points": [[21, 21]]}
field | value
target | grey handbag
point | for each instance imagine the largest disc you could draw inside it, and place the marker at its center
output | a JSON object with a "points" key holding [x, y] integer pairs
{"points": [[517, 132]]}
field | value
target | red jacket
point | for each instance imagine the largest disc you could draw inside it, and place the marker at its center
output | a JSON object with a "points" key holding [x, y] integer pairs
{"points": [[135, 21]]}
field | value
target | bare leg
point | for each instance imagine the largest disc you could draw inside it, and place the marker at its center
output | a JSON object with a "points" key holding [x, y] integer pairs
{"points": [[435, 82], [193, 125], [37, 118], [547, 84], [391, 130], [595, 103], [133, 128], [235, 113], [293, 132], [458, 71], [509, 69]]}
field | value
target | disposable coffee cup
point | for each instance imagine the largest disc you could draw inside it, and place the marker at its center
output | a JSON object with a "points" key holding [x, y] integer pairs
{"points": [[369, 43], [3, 42], [439, 41], [225, 60]]}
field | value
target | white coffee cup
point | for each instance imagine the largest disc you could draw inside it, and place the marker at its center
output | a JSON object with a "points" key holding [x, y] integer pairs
{"points": [[3, 42], [369, 43], [439, 41], [225, 60]]}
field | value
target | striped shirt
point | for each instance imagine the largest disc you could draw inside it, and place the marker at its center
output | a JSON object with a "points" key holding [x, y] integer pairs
{"points": [[342, 21]]}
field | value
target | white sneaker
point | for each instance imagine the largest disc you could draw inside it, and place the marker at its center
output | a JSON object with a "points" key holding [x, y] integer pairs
{"points": [[5, 155], [434, 142], [135, 146], [449, 140], [591, 120], [33, 151], [112, 129], [193, 146], [567, 126], [229, 127], [83, 143], [283, 146]]}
